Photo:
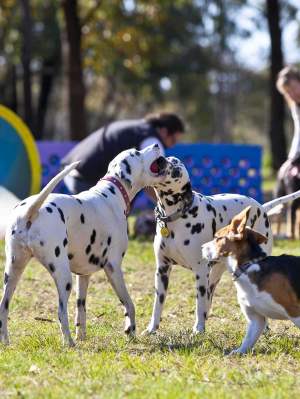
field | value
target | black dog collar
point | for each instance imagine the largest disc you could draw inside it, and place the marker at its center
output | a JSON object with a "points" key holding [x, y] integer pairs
{"points": [[160, 217], [241, 269]]}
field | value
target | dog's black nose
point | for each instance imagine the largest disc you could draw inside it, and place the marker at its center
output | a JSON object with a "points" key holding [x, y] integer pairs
{"points": [[161, 162], [175, 173], [156, 146]]}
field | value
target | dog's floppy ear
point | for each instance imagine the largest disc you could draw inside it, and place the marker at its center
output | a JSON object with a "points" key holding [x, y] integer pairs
{"points": [[238, 223], [256, 236]]}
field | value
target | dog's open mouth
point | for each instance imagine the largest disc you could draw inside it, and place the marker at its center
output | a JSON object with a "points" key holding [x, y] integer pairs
{"points": [[158, 166]]}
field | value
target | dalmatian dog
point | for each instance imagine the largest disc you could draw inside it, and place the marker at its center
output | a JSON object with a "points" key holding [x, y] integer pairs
{"points": [[79, 234], [185, 221]]}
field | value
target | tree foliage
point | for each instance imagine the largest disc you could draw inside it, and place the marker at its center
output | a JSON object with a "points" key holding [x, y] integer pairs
{"points": [[137, 56]]}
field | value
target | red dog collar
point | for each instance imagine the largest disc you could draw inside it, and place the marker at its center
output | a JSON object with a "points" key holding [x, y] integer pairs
{"points": [[120, 186]]}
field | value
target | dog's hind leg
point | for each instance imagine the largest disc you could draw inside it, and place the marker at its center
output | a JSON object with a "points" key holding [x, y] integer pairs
{"points": [[82, 283], [60, 271], [116, 279], [161, 287], [16, 260]]}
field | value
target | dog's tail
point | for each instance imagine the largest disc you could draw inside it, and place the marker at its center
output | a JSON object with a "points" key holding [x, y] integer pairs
{"points": [[281, 200], [32, 210]]}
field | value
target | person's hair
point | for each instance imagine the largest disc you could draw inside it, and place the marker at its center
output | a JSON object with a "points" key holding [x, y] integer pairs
{"points": [[168, 120], [285, 76]]}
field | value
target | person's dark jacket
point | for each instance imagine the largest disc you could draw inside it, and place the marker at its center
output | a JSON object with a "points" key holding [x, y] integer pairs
{"points": [[99, 148]]}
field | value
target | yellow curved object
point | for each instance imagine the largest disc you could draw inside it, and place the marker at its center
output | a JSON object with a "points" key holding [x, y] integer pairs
{"points": [[29, 143]]}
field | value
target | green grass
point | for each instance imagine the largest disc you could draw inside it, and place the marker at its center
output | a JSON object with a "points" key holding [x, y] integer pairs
{"points": [[171, 364]]}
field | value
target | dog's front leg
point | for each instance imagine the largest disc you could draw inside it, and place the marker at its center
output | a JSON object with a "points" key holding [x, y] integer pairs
{"points": [[115, 277], [201, 276], [82, 283], [161, 286], [215, 275], [14, 267], [256, 325]]}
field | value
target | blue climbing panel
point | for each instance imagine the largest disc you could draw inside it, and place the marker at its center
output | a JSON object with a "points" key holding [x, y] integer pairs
{"points": [[219, 168], [213, 168]]}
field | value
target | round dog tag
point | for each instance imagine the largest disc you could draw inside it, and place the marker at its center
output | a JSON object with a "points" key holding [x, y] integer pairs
{"points": [[164, 231]]}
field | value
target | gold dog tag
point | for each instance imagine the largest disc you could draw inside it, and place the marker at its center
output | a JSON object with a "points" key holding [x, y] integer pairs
{"points": [[164, 231]]}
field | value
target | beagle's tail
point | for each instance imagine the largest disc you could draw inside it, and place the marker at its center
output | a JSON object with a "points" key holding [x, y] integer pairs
{"points": [[32, 210], [281, 200]]}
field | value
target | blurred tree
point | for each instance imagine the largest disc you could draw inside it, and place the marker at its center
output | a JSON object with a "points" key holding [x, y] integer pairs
{"points": [[74, 71], [129, 57], [47, 52], [26, 54], [8, 49], [276, 128], [30, 54]]}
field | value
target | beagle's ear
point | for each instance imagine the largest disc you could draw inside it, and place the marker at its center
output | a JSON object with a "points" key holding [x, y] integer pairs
{"points": [[238, 223], [256, 236]]}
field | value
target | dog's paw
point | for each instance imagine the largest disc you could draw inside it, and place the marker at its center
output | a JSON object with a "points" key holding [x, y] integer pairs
{"points": [[130, 330], [80, 336], [4, 338], [198, 329], [69, 343], [149, 331], [236, 352]]}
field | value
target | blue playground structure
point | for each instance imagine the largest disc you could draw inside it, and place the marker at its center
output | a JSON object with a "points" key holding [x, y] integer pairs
{"points": [[219, 168], [213, 168], [20, 171]]}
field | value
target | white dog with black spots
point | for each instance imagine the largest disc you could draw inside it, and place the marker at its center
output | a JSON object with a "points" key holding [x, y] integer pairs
{"points": [[79, 234], [185, 221]]}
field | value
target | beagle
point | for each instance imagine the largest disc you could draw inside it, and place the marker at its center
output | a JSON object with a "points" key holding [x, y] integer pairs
{"points": [[267, 286]]}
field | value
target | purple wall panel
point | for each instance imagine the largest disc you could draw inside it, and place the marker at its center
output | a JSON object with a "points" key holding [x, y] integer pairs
{"points": [[51, 152]]}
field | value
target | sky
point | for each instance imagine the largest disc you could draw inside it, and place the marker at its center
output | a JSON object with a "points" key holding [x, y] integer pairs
{"points": [[254, 51]]}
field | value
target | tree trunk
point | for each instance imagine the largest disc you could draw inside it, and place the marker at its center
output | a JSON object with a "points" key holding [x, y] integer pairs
{"points": [[276, 128], [26, 59], [47, 78], [75, 75], [12, 97]]}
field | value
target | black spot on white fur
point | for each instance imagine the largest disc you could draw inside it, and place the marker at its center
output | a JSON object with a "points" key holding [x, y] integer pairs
{"points": [[61, 215], [57, 251], [112, 189], [88, 249], [68, 286], [128, 168], [51, 267], [93, 236], [214, 226]]}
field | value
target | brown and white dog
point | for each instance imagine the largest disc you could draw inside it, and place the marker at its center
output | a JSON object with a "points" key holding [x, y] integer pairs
{"points": [[267, 286]]}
